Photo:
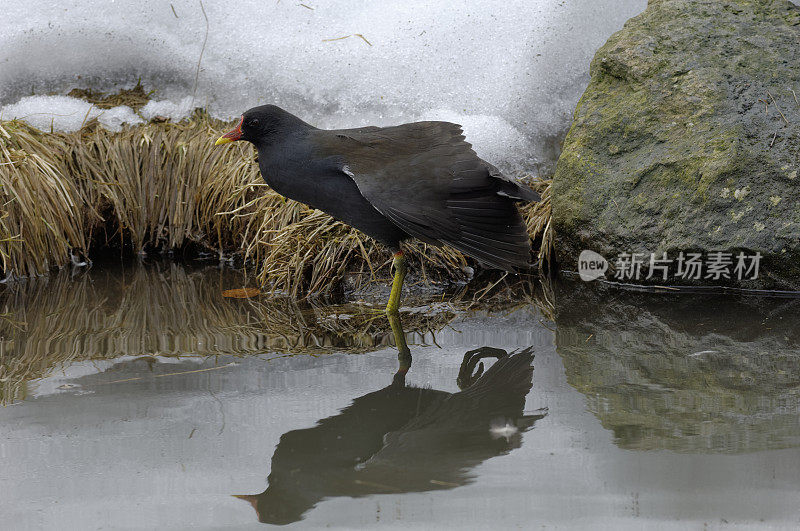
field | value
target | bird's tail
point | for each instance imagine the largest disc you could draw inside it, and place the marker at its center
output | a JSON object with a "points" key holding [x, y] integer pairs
{"points": [[504, 386]]}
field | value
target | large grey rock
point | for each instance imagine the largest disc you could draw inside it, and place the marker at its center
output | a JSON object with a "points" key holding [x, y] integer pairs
{"points": [[688, 139]]}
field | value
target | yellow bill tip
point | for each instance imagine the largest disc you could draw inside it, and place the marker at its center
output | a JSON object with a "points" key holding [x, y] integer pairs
{"points": [[222, 140]]}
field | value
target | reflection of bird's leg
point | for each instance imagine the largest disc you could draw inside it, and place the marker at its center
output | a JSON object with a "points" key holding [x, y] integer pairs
{"points": [[403, 352], [471, 358], [399, 266]]}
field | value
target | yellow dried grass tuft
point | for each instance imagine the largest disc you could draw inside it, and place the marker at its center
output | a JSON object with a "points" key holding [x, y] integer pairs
{"points": [[163, 185], [538, 217]]}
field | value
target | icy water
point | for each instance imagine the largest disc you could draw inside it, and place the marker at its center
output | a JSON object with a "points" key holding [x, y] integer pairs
{"points": [[142, 398]]}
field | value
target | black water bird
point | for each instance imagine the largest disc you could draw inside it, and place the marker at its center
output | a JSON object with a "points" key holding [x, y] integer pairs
{"points": [[420, 180], [401, 439]]}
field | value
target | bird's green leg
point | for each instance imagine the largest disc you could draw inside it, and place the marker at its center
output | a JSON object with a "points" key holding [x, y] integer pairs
{"points": [[393, 314], [399, 266]]}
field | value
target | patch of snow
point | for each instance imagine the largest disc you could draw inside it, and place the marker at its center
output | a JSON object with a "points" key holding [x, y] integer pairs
{"points": [[510, 72], [168, 109], [113, 119], [63, 113]]}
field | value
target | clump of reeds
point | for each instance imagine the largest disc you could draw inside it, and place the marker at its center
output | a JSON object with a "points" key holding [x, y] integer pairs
{"points": [[538, 217], [150, 184], [160, 186]]}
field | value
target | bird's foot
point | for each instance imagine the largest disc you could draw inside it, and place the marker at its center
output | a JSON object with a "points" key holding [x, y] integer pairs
{"points": [[467, 374]]}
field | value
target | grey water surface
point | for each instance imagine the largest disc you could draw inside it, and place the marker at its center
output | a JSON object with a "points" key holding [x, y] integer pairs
{"points": [[142, 398]]}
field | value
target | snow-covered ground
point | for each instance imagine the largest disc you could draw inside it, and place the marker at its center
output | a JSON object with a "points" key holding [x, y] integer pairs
{"points": [[509, 71]]}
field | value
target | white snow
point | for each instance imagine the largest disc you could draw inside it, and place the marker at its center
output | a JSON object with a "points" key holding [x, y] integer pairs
{"points": [[116, 117], [511, 72], [63, 113], [167, 109]]}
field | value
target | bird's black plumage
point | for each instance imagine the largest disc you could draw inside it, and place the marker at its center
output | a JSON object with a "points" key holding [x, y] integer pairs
{"points": [[418, 180]]}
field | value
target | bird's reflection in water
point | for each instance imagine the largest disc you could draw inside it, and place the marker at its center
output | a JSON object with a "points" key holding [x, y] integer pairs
{"points": [[401, 438]]}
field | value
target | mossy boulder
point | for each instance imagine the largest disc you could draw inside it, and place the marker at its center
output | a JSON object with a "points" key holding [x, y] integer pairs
{"points": [[688, 139]]}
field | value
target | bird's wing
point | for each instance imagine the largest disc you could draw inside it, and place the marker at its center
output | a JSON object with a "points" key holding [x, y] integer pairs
{"points": [[428, 181], [449, 436]]}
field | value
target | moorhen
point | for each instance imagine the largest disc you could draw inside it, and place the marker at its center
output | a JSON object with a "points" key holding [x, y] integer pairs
{"points": [[419, 180]]}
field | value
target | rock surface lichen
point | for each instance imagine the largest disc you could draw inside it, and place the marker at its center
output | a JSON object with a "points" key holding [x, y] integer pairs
{"points": [[688, 139]]}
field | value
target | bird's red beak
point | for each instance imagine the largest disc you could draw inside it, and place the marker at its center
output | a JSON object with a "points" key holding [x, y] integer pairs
{"points": [[230, 136]]}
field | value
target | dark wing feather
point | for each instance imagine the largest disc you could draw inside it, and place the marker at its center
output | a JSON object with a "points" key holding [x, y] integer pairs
{"points": [[427, 180]]}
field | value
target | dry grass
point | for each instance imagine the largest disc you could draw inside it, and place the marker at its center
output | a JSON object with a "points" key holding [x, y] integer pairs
{"points": [[538, 217], [160, 186], [135, 98]]}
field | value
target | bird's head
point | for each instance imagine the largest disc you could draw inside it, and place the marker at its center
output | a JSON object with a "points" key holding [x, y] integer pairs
{"points": [[277, 506], [262, 126]]}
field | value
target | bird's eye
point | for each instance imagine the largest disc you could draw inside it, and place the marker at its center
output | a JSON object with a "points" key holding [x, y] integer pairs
{"points": [[254, 122]]}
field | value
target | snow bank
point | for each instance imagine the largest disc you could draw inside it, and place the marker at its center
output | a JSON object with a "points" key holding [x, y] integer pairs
{"points": [[62, 113], [510, 71], [167, 109]]}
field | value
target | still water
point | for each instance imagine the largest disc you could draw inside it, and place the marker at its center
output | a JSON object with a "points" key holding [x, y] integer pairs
{"points": [[142, 398]]}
